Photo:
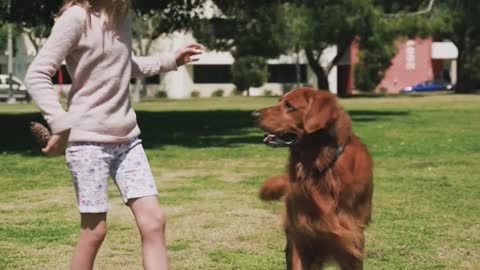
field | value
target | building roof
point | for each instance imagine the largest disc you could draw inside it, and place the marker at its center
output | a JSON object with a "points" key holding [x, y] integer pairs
{"points": [[444, 50]]}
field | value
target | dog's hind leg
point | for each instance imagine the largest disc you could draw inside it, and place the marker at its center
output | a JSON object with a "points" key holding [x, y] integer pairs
{"points": [[288, 255], [298, 259], [297, 262], [349, 262], [292, 256]]}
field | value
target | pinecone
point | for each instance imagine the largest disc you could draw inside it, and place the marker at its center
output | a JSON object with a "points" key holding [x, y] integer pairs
{"points": [[40, 133]]}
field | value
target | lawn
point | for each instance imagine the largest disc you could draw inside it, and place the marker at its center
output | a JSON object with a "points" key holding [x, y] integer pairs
{"points": [[209, 161]]}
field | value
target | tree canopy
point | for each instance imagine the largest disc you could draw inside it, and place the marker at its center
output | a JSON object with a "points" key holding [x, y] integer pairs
{"points": [[317, 25], [245, 28], [461, 24], [273, 27], [178, 14]]}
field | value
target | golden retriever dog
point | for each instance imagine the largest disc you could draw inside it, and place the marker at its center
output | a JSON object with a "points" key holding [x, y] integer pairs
{"points": [[328, 188]]}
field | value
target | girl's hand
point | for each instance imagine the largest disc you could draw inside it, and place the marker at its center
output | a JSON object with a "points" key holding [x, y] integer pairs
{"points": [[57, 144], [184, 56]]}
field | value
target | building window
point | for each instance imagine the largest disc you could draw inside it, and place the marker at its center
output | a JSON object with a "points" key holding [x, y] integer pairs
{"points": [[153, 79], [286, 73], [212, 74], [148, 80], [282, 73]]}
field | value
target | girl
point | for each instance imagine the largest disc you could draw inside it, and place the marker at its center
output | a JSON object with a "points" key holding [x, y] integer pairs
{"points": [[99, 130]]}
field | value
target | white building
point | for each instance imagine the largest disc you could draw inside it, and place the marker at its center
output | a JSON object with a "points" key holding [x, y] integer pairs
{"points": [[210, 73]]}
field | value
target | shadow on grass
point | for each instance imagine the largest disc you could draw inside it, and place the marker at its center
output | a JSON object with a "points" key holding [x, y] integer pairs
{"points": [[379, 95], [370, 116], [196, 129]]}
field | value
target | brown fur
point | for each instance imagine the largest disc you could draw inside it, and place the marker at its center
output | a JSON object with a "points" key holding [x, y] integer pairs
{"points": [[328, 202]]}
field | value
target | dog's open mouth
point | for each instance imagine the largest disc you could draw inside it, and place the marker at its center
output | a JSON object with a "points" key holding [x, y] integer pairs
{"points": [[280, 140]]}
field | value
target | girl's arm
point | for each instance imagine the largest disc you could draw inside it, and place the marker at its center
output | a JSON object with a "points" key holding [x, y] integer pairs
{"points": [[65, 34], [146, 66], [153, 65]]}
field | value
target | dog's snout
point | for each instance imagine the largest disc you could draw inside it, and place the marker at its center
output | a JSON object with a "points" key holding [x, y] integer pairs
{"points": [[256, 114]]}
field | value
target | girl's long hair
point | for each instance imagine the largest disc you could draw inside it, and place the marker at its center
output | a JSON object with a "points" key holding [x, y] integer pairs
{"points": [[115, 13]]}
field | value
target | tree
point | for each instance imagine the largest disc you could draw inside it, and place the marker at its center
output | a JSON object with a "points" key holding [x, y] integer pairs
{"points": [[31, 13], [36, 17], [145, 30], [32, 18], [180, 13], [395, 20], [308, 25], [249, 71], [245, 31], [461, 24], [316, 25], [153, 19], [454, 20], [378, 41], [250, 28], [150, 19], [37, 35], [243, 28], [175, 15], [375, 55], [3, 38]]}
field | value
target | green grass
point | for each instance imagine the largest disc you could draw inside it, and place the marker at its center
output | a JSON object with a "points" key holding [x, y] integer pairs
{"points": [[209, 162]]}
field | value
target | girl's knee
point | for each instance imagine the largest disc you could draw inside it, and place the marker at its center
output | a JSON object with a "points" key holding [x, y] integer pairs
{"points": [[93, 228], [94, 236], [153, 224]]}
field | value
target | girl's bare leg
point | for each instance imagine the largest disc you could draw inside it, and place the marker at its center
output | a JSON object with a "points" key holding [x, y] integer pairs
{"points": [[151, 224], [92, 232]]}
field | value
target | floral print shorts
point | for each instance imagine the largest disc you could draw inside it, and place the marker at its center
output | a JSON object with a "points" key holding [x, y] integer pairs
{"points": [[91, 164]]}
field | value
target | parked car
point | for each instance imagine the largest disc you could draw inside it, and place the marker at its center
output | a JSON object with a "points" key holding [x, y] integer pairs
{"points": [[429, 86], [19, 88]]}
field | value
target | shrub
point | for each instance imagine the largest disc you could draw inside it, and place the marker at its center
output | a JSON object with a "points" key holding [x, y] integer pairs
{"points": [[161, 94], [286, 87], [471, 80], [218, 93], [249, 71], [374, 58], [267, 92], [236, 92], [195, 94]]}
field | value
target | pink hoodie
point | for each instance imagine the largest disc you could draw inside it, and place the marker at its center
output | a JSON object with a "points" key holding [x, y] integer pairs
{"points": [[101, 64]]}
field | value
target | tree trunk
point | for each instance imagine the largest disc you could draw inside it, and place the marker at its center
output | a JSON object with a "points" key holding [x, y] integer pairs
{"points": [[462, 74], [342, 48], [313, 62], [462, 85], [33, 41]]}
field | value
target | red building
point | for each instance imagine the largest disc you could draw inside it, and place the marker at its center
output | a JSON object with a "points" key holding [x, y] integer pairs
{"points": [[417, 61]]}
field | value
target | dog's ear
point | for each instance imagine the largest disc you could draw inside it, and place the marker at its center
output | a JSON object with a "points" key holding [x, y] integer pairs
{"points": [[320, 111]]}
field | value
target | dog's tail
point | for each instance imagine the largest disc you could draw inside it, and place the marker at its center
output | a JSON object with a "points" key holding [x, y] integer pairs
{"points": [[274, 188]]}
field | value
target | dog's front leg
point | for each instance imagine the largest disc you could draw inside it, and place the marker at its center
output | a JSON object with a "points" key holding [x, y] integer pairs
{"points": [[288, 255], [292, 257], [294, 261]]}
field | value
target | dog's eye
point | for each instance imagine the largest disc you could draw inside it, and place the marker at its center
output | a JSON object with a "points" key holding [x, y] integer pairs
{"points": [[288, 107]]}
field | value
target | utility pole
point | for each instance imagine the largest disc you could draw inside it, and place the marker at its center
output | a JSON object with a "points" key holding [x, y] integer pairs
{"points": [[11, 98]]}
